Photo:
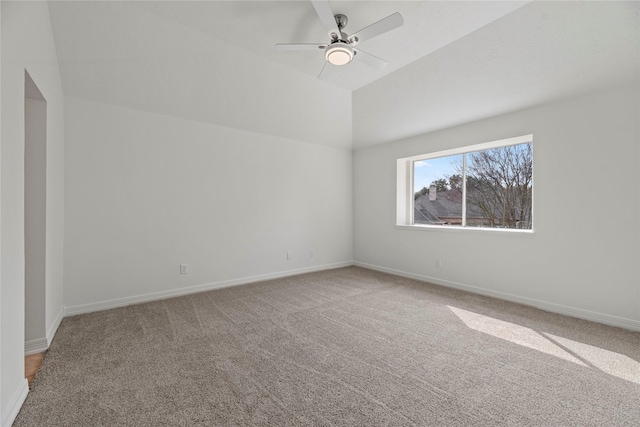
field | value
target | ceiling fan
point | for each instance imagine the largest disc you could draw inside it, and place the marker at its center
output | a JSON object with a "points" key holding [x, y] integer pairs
{"points": [[341, 48]]}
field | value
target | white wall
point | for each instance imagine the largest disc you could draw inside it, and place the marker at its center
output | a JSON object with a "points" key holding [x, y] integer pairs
{"points": [[147, 192], [583, 258], [27, 43]]}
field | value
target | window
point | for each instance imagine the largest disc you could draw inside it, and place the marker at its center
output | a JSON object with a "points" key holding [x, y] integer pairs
{"points": [[487, 185]]}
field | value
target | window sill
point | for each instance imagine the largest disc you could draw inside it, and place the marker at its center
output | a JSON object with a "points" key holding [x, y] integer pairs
{"points": [[459, 229]]}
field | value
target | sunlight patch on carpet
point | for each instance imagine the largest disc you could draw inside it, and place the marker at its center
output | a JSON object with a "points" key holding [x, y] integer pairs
{"points": [[607, 361], [612, 363], [514, 333]]}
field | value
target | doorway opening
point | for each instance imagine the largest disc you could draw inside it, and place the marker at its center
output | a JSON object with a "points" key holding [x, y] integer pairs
{"points": [[35, 195]]}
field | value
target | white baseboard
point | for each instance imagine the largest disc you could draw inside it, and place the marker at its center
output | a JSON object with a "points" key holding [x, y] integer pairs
{"points": [[35, 346], [15, 404], [40, 345], [51, 333], [603, 318], [122, 302]]}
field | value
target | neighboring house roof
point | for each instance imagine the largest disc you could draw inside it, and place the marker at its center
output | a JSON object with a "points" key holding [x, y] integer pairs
{"points": [[447, 205]]}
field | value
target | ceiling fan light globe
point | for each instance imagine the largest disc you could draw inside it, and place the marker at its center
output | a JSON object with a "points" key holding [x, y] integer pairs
{"points": [[339, 53]]}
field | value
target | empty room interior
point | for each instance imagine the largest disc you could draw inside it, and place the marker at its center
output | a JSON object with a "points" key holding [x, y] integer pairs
{"points": [[320, 213]]}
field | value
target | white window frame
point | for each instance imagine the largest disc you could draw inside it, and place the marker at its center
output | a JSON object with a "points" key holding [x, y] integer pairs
{"points": [[405, 191]]}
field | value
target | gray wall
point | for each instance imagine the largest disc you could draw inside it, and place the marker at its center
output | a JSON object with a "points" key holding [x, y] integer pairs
{"points": [[35, 218]]}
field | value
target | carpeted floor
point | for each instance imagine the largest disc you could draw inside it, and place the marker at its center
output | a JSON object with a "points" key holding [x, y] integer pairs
{"points": [[340, 347]]}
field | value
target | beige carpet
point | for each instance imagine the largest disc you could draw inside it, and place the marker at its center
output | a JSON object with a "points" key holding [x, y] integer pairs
{"points": [[341, 347]]}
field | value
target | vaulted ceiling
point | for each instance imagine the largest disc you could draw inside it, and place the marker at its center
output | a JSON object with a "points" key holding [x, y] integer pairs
{"points": [[216, 62]]}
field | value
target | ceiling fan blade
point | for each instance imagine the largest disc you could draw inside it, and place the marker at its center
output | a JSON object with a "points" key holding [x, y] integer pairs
{"points": [[370, 60], [392, 21], [323, 9], [300, 46]]}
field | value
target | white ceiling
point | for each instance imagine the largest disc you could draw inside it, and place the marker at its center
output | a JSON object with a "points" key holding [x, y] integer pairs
{"points": [[216, 62], [257, 26]]}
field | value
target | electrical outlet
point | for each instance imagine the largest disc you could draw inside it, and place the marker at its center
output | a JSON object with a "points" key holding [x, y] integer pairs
{"points": [[289, 256], [184, 268], [311, 253], [438, 263]]}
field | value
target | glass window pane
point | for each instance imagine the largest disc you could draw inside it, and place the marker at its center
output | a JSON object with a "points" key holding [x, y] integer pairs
{"points": [[499, 187], [438, 191]]}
